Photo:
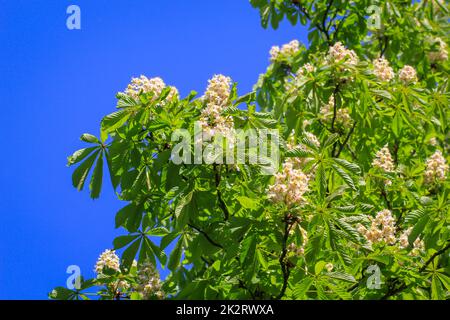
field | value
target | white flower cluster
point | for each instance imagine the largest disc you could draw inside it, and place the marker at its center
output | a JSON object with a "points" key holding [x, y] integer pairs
{"points": [[382, 228], [216, 97], [145, 85], [149, 284], [305, 69], [338, 52], [383, 160], [108, 259], [382, 70], [342, 115], [441, 54], [121, 285], [436, 167], [407, 74], [290, 186], [286, 50], [418, 245]]}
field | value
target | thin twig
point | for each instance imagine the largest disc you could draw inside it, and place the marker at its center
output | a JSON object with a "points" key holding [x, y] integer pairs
{"points": [[214, 243]]}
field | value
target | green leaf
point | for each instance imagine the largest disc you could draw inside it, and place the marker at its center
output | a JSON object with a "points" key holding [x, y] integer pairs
{"points": [[397, 124], [417, 229], [129, 254], [87, 137], [413, 216], [80, 174], [321, 180], [115, 120], [345, 176], [175, 255], [330, 140], [158, 231], [61, 293], [302, 287], [319, 267], [299, 153], [122, 241], [352, 167], [248, 203], [97, 177], [79, 155], [437, 292], [129, 217], [262, 260], [248, 250], [341, 276], [166, 240], [183, 210]]}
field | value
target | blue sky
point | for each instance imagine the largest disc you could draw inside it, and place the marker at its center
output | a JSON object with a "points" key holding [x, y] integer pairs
{"points": [[57, 84]]}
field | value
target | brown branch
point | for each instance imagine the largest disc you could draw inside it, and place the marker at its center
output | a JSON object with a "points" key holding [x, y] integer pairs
{"points": [[285, 267], [206, 236], [437, 253], [346, 140], [393, 291]]}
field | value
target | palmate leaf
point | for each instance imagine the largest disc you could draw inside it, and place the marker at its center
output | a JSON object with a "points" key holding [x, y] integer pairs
{"points": [[80, 174]]}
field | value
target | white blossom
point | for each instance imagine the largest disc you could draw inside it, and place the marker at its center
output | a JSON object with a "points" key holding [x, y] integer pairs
{"points": [[286, 50], [149, 283], [290, 186], [407, 74], [216, 98], [306, 68], [382, 70], [382, 228], [108, 259], [146, 85], [436, 168], [338, 52], [383, 160]]}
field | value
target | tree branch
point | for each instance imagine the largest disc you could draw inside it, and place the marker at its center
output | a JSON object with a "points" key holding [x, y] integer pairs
{"points": [[393, 291], [218, 245], [346, 140], [285, 268]]}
